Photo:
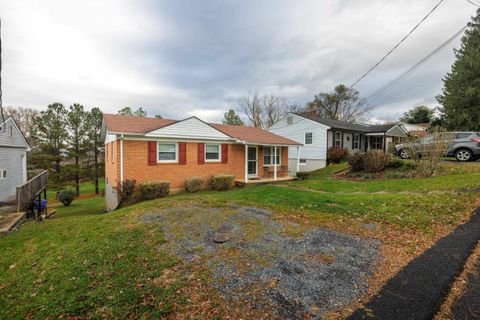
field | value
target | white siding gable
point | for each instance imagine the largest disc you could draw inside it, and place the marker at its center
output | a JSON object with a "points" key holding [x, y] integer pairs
{"points": [[296, 132], [13, 160], [396, 131], [191, 128], [12, 136]]}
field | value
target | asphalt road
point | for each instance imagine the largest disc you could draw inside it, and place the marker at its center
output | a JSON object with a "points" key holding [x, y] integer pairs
{"points": [[417, 291]]}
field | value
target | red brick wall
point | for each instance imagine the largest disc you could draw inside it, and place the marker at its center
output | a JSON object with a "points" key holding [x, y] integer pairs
{"points": [[135, 164], [112, 166]]}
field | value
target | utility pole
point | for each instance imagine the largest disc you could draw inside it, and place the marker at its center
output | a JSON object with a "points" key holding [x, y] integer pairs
{"points": [[2, 118]]}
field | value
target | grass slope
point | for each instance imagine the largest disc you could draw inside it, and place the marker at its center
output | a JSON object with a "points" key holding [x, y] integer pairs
{"points": [[83, 262], [86, 263]]}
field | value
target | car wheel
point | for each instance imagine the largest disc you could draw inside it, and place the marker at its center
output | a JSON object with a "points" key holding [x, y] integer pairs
{"points": [[403, 154], [463, 155]]}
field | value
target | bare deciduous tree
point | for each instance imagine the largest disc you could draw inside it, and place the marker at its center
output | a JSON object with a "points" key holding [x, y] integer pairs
{"points": [[23, 117], [343, 103], [426, 153], [264, 111]]}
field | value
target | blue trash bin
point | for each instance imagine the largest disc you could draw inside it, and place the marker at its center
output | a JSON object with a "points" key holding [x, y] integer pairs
{"points": [[41, 206]]}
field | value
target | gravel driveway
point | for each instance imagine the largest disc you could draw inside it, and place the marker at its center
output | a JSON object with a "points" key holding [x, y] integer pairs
{"points": [[291, 270]]}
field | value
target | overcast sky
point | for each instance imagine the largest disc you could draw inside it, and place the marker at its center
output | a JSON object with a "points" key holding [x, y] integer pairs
{"points": [[182, 58]]}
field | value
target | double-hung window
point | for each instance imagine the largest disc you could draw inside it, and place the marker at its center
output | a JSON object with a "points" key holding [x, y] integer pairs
{"points": [[167, 152], [212, 152], [356, 141], [338, 139], [308, 138], [269, 155]]}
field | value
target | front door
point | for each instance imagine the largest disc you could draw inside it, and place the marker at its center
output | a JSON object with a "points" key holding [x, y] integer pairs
{"points": [[252, 162]]}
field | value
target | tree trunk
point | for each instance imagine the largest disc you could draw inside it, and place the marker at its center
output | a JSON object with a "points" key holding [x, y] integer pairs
{"points": [[97, 191], [77, 176]]}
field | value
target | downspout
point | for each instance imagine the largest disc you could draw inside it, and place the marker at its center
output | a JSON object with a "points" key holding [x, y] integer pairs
{"points": [[121, 160]]}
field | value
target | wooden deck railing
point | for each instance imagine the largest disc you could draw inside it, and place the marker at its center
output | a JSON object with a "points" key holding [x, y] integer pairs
{"points": [[31, 189]]}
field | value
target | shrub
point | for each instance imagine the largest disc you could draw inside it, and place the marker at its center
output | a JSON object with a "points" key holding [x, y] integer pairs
{"points": [[222, 181], [394, 164], [336, 154], [302, 175], [409, 165], [356, 161], [155, 189], [193, 184], [375, 160], [125, 191], [66, 196]]}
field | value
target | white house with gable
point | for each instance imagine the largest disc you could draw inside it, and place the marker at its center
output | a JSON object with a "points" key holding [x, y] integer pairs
{"points": [[319, 134], [13, 160]]}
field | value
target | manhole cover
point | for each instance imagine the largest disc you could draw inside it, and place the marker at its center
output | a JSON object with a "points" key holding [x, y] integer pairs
{"points": [[220, 238]]}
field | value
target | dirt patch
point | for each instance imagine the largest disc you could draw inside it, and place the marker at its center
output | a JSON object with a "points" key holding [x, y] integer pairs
{"points": [[274, 266]]}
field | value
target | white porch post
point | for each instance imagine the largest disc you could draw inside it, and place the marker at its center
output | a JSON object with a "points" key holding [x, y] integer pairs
{"points": [[274, 163], [298, 159], [246, 163]]}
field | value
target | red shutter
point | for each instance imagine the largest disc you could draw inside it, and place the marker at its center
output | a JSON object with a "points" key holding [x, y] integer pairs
{"points": [[201, 153], [224, 153], [152, 153], [182, 153]]}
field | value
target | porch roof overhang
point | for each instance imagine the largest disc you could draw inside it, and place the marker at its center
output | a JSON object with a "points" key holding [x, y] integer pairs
{"points": [[377, 134]]}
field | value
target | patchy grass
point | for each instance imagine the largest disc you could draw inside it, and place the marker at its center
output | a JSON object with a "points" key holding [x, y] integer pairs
{"points": [[83, 262], [88, 264]]}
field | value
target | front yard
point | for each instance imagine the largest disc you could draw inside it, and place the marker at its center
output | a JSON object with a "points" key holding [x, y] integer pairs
{"points": [[312, 247]]}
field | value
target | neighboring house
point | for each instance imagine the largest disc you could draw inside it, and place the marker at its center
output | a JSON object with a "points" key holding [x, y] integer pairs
{"points": [[150, 149], [417, 130], [13, 160], [319, 134]]}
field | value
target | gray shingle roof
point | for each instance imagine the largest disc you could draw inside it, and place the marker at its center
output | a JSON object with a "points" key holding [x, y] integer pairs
{"points": [[350, 126]]}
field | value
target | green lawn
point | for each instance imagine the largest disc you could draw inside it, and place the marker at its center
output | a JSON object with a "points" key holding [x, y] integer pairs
{"points": [[467, 177], [88, 263], [85, 188], [83, 262]]}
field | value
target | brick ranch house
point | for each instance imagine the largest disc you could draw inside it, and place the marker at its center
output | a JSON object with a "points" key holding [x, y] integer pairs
{"points": [[150, 149]]}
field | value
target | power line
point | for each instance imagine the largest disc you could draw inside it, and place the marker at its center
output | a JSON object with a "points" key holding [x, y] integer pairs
{"points": [[380, 92], [471, 2], [398, 44]]}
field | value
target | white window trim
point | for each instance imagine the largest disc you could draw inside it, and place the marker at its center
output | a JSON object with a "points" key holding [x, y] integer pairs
{"points": [[356, 142], [305, 138], [167, 161], [272, 156], [1, 174], [219, 152], [302, 163], [335, 140]]}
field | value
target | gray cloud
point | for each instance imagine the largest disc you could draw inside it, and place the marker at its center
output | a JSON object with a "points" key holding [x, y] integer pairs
{"points": [[180, 58]]}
